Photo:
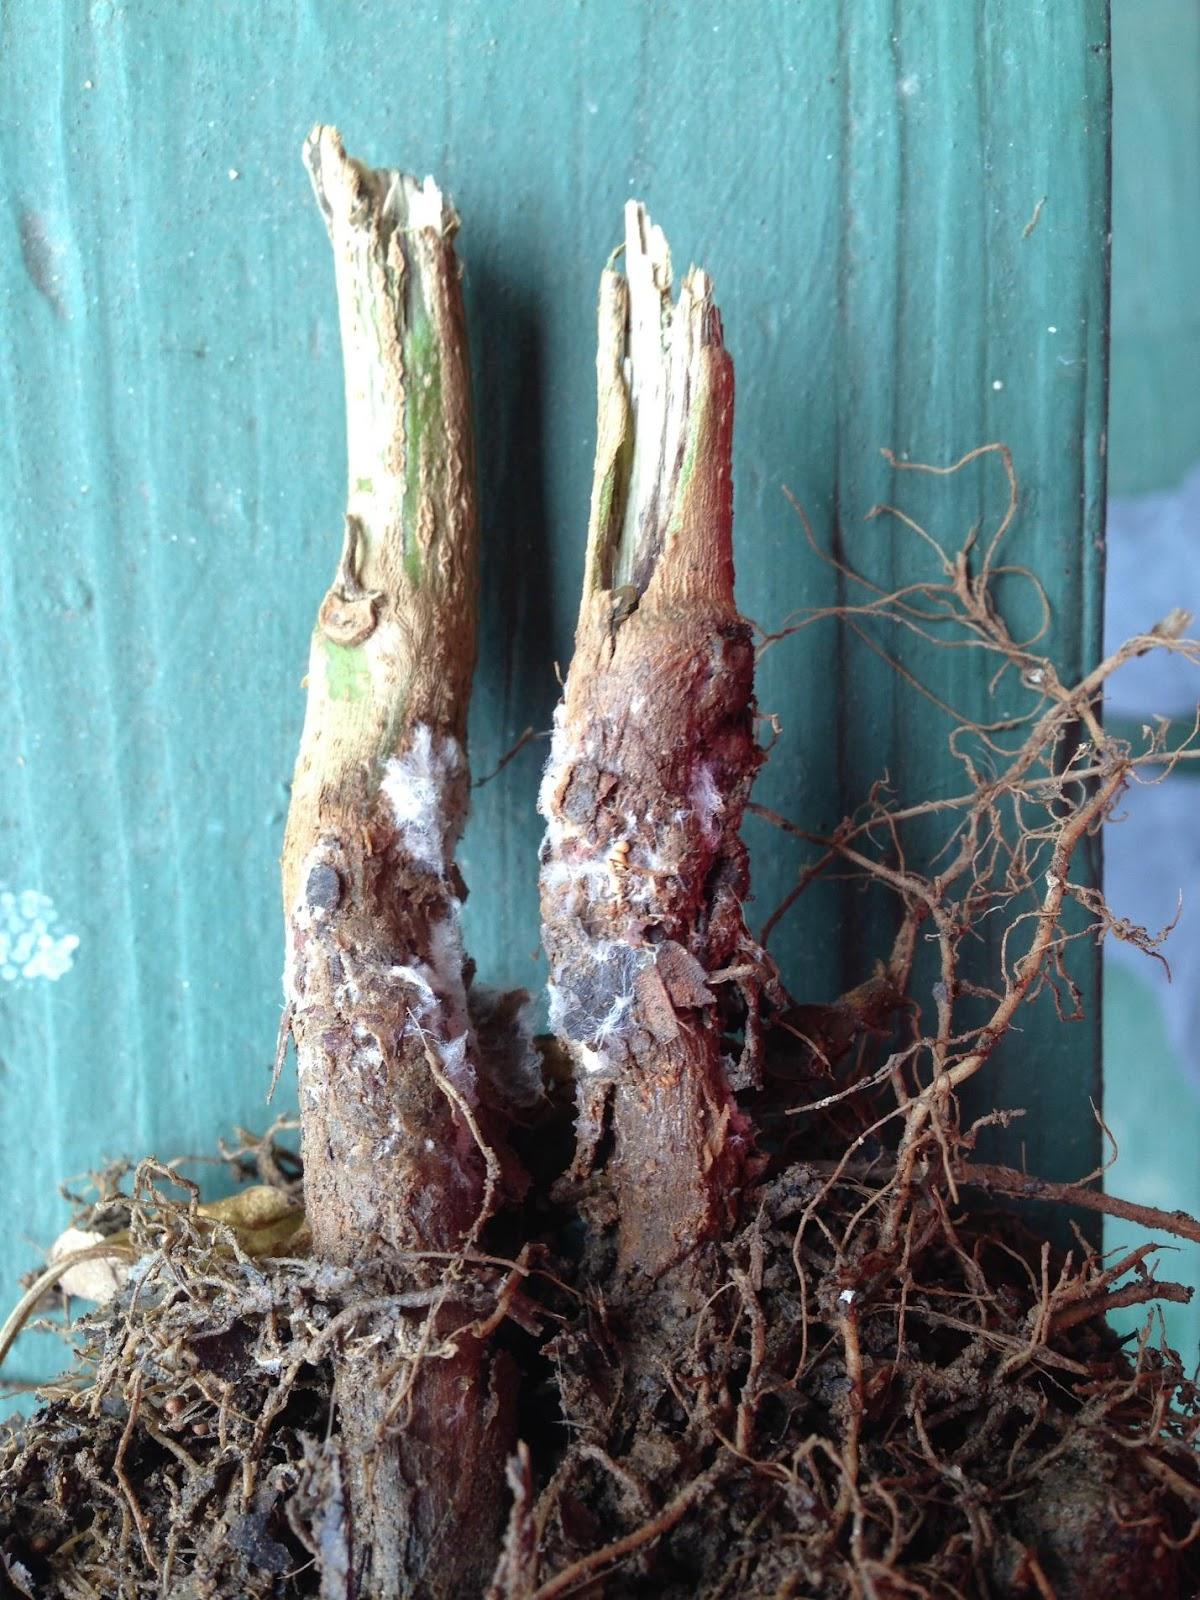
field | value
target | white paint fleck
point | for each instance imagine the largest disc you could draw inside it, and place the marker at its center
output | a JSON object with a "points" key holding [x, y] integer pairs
{"points": [[29, 945], [997, 384], [846, 1298], [909, 84], [1051, 329]]}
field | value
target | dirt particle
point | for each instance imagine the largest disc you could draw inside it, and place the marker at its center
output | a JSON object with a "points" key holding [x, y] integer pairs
{"points": [[42, 258]]}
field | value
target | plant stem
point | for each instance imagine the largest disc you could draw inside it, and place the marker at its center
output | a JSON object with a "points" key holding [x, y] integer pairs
{"points": [[375, 969], [643, 872]]}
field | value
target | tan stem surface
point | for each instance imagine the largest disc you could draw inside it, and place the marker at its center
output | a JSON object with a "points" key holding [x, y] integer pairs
{"points": [[375, 982]]}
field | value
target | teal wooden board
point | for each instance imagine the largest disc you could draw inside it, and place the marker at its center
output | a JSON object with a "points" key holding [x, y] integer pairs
{"points": [[858, 178], [1154, 431]]}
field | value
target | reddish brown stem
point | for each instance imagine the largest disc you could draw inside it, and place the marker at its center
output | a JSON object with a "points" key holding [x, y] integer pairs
{"points": [[643, 872]]}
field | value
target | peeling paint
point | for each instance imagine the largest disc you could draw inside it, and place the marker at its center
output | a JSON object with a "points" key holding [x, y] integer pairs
{"points": [[29, 945]]}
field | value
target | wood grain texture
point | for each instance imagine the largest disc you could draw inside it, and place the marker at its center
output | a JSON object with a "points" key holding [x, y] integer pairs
{"points": [[857, 178]]}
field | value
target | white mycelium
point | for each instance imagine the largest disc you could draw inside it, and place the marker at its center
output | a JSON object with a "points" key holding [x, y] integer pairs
{"points": [[592, 994], [708, 804], [420, 787]]}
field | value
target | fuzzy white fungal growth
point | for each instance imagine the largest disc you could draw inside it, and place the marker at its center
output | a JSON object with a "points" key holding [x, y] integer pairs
{"points": [[707, 802], [97, 1280], [592, 999], [556, 1002], [456, 1064], [421, 788], [368, 1056], [592, 1061], [555, 761], [524, 1080], [564, 754], [446, 960], [592, 875], [502, 1020], [612, 1023], [418, 978]]}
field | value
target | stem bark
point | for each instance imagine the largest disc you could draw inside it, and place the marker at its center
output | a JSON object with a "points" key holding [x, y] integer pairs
{"points": [[643, 871], [393, 1159]]}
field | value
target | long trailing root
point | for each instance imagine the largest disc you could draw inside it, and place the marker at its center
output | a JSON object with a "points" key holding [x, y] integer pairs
{"points": [[932, 1393], [1036, 788]]}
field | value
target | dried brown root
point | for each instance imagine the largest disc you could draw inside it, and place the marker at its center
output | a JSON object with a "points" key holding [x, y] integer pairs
{"points": [[188, 1450], [836, 1420]]}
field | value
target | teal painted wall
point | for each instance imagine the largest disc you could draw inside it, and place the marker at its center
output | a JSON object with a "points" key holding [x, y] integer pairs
{"points": [[1152, 1025], [858, 177]]}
